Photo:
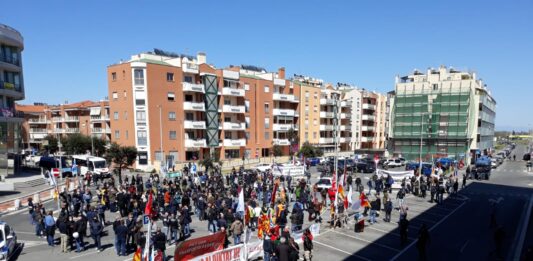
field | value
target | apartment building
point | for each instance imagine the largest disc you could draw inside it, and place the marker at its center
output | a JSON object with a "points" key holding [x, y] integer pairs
{"points": [[186, 109], [86, 117], [450, 112], [11, 90]]}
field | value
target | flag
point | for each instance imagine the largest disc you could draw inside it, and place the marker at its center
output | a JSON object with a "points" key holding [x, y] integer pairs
{"points": [[148, 208], [274, 190], [240, 205], [74, 168], [158, 256], [137, 255], [146, 253], [348, 200], [364, 200]]}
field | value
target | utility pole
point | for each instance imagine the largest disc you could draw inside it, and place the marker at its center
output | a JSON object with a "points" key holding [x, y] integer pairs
{"points": [[336, 106]]}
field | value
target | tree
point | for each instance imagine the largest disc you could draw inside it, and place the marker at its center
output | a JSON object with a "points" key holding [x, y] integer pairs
{"points": [[121, 157], [52, 144], [277, 150], [208, 162], [81, 144], [292, 135], [310, 151]]}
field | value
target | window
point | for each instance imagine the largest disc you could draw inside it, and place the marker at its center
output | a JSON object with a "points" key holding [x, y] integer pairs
{"points": [[315, 122], [126, 115], [158, 155], [315, 108], [315, 95], [267, 123], [306, 94], [171, 116], [141, 138], [247, 121], [189, 116], [267, 107], [114, 76], [247, 135], [115, 116], [126, 134], [170, 96], [141, 115], [140, 97], [227, 101], [172, 135], [115, 96], [306, 124], [306, 136], [246, 87], [435, 87], [227, 119], [267, 89], [314, 135], [247, 105], [267, 135], [227, 135], [125, 94], [117, 134], [139, 76], [170, 77], [143, 158]]}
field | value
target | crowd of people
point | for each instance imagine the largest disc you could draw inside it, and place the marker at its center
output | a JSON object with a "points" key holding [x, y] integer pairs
{"points": [[275, 207]]}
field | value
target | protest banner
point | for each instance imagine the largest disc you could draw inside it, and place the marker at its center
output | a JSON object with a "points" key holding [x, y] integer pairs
{"points": [[199, 246], [251, 251]]}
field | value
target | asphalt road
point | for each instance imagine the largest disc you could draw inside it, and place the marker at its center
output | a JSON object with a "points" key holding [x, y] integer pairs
{"points": [[459, 228]]}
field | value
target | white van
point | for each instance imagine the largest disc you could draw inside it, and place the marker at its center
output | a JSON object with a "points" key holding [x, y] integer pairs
{"points": [[94, 164]]}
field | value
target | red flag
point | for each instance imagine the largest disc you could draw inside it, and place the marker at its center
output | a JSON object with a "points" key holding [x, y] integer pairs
{"points": [[137, 255], [148, 208], [274, 190], [158, 256], [364, 200], [345, 202]]}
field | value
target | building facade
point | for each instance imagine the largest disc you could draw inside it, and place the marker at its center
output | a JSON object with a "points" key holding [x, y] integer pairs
{"points": [[41, 120], [11, 90], [186, 109], [443, 113]]}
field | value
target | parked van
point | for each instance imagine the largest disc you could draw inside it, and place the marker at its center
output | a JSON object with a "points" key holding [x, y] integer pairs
{"points": [[96, 165]]}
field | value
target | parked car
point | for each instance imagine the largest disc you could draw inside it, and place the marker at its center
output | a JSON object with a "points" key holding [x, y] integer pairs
{"points": [[263, 167], [8, 241], [392, 163], [493, 163], [365, 167], [313, 161], [324, 183]]}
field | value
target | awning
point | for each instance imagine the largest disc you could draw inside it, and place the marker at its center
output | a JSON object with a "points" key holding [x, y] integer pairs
{"points": [[95, 111]]}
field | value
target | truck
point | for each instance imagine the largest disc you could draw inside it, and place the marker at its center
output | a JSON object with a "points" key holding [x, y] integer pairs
{"points": [[483, 168]]}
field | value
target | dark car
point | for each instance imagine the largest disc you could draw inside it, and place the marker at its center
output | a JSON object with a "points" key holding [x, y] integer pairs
{"points": [[526, 157], [426, 167], [365, 167], [313, 161]]}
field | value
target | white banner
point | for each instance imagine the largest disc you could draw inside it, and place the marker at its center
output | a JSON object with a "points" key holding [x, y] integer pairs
{"points": [[235, 253], [397, 176], [315, 231]]}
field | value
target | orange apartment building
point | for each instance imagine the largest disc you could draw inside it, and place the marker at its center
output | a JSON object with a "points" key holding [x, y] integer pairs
{"points": [[86, 117], [176, 108]]}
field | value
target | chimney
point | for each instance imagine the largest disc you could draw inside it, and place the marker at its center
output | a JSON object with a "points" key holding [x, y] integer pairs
{"points": [[201, 58], [281, 73]]}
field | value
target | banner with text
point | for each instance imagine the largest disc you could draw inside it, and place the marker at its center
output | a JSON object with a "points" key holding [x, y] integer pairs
{"points": [[236, 253], [189, 249]]}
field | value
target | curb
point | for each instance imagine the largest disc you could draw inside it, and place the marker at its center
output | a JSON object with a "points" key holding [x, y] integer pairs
{"points": [[42, 195]]}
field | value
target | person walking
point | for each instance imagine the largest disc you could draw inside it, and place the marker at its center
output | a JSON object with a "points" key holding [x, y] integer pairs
{"points": [[400, 196], [50, 228], [236, 230], [423, 241], [96, 232], [308, 245], [388, 210], [464, 181], [121, 233]]}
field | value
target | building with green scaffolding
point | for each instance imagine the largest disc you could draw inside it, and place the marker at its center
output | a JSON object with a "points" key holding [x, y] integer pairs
{"points": [[443, 113]]}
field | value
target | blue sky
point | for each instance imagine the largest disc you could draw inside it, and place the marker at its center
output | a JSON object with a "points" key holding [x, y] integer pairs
{"points": [[69, 44]]}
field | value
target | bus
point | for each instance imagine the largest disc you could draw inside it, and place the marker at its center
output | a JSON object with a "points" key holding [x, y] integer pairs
{"points": [[96, 165]]}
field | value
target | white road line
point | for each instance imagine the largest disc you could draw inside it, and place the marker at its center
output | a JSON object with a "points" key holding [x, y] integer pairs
{"points": [[367, 241], [433, 227], [521, 230], [464, 245], [340, 250], [89, 253]]}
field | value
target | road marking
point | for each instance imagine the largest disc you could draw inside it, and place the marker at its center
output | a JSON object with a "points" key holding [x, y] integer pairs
{"points": [[464, 245], [387, 232], [340, 250], [433, 227], [89, 253], [521, 230], [368, 241]]}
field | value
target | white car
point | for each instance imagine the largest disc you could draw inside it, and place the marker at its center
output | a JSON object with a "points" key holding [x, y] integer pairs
{"points": [[8, 241], [263, 167], [324, 183], [494, 163], [392, 163]]}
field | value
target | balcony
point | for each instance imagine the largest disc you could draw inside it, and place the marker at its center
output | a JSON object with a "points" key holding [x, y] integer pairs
{"points": [[10, 86], [284, 97], [343, 139], [326, 140], [326, 127], [279, 82], [367, 117], [234, 142], [200, 125], [233, 126], [346, 103], [367, 139], [345, 116], [194, 106], [190, 68], [72, 119], [232, 92], [72, 130], [38, 130], [326, 114], [367, 128], [59, 130], [282, 142], [367, 106], [327, 101], [284, 112], [283, 127], [199, 143], [10, 59], [100, 118], [38, 121], [57, 119], [233, 109], [97, 130], [193, 87], [343, 128]]}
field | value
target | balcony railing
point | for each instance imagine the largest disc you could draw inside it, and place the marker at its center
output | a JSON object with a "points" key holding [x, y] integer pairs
{"points": [[194, 125], [367, 139], [194, 106], [324, 127], [368, 106], [368, 117], [327, 101], [10, 86], [59, 130], [234, 142], [233, 108], [199, 143], [38, 121], [193, 87], [38, 130], [367, 128], [284, 112], [284, 97], [325, 114], [190, 68], [100, 118], [282, 127], [234, 126], [12, 60], [97, 130], [72, 130], [233, 92], [72, 118], [326, 140], [281, 142]]}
